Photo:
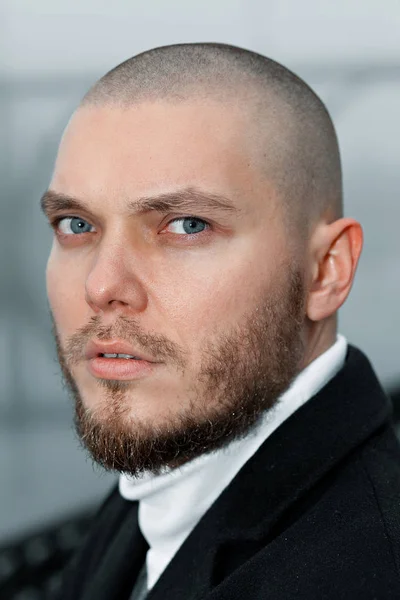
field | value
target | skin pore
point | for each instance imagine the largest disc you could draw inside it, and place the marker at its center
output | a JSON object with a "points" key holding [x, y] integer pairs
{"points": [[231, 313]]}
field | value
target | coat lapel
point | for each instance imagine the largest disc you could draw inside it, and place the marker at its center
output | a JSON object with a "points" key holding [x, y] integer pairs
{"points": [[248, 513], [119, 567]]}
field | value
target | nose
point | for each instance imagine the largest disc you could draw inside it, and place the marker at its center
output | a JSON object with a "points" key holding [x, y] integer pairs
{"points": [[113, 282]]}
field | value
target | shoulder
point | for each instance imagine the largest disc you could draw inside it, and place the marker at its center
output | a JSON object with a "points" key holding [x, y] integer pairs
{"points": [[350, 536], [341, 541], [381, 465]]}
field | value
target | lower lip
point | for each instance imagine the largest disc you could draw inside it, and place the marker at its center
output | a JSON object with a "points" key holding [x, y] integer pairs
{"points": [[120, 368]]}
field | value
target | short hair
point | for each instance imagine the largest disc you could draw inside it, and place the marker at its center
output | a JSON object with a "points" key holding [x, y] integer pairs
{"points": [[299, 146]]}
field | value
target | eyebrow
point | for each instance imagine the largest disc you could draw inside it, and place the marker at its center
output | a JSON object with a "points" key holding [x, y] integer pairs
{"points": [[188, 199]]}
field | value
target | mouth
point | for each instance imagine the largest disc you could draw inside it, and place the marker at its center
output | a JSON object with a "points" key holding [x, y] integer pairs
{"points": [[118, 360], [120, 366], [120, 355], [116, 350]]}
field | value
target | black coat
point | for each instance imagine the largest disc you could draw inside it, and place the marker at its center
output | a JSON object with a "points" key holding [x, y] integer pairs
{"points": [[314, 514]]}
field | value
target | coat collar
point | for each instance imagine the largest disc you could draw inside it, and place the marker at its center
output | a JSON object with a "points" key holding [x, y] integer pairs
{"points": [[122, 560], [343, 415], [337, 420]]}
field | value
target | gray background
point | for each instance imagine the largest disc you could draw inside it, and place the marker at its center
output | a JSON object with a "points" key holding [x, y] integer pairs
{"points": [[50, 52]]}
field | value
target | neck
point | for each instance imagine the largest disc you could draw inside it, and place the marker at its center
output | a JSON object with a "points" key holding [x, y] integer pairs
{"points": [[319, 337]]}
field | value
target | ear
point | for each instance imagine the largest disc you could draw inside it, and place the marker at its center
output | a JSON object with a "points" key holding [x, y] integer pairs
{"points": [[335, 251]]}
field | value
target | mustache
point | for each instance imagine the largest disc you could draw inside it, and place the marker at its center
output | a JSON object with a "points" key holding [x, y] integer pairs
{"points": [[123, 329]]}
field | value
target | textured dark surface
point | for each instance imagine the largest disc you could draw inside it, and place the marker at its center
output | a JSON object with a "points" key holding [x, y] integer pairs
{"points": [[30, 567], [395, 397]]}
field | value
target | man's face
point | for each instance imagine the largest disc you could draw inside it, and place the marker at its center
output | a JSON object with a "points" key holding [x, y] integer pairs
{"points": [[179, 256]]}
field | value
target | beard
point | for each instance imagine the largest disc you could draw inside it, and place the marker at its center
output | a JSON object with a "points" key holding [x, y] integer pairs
{"points": [[242, 374]]}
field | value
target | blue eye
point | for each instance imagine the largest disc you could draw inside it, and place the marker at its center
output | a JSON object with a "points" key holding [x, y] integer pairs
{"points": [[189, 225], [72, 225]]}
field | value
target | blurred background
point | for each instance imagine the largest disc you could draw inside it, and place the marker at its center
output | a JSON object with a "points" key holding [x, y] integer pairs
{"points": [[50, 53]]}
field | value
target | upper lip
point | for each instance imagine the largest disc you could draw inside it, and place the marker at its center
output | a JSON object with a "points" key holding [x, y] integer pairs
{"points": [[96, 348]]}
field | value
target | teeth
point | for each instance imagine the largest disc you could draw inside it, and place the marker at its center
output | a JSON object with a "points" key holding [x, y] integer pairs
{"points": [[118, 356]]}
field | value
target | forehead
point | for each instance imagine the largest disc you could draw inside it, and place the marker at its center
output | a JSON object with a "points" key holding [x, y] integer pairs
{"points": [[156, 147]]}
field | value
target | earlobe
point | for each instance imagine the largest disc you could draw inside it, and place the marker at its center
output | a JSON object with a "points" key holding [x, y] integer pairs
{"points": [[335, 261]]}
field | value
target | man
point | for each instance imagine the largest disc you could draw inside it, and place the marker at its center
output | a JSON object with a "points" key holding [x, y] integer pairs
{"points": [[199, 260]]}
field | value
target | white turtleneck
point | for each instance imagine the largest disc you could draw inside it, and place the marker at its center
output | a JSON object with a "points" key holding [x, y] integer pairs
{"points": [[171, 504]]}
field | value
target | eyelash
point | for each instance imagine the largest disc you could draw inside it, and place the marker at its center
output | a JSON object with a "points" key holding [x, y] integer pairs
{"points": [[55, 223]]}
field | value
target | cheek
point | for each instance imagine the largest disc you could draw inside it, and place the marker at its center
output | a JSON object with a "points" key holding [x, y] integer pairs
{"points": [[209, 297], [63, 291]]}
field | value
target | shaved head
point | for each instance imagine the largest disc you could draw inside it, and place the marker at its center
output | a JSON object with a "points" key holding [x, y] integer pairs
{"points": [[200, 254], [290, 129]]}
